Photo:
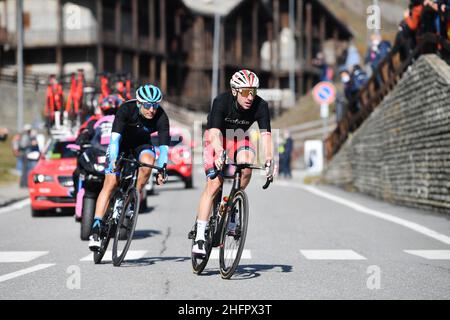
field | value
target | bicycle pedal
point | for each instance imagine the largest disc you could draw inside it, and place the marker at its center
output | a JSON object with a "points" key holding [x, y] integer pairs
{"points": [[192, 234]]}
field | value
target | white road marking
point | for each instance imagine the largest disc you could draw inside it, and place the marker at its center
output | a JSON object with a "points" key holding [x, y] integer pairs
{"points": [[20, 256], [23, 272], [131, 255], [331, 255], [246, 254], [388, 217], [431, 254], [17, 205]]}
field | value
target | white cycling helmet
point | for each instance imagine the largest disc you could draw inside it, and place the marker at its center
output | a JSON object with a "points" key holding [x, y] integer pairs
{"points": [[244, 79]]}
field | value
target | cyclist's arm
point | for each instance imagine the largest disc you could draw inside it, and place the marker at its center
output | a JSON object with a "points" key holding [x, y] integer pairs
{"points": [[113, 148], [216, 140], [116, 135], [163, 128], [263, 118]]}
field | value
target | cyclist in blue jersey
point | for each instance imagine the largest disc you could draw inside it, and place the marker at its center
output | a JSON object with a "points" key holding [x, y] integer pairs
{"points": [[135, 121]]}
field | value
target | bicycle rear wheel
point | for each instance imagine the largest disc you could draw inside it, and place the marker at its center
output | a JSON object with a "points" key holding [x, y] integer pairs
{"points": [[233, 238], [127, 221], [110, 228]]}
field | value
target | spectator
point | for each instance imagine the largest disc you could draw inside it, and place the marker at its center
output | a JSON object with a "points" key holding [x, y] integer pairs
{"points": [[27, 144], [346, 82], [442, 19], [406, 36], [285, 151], [326, 72], [358, 79], [353, 83], [353, 57], [3, 134], [429, 17], [377, 51], [15, 149]]}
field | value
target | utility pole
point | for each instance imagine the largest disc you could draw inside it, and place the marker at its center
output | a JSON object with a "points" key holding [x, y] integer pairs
{"points": [[19, 27], [293, 68], [216, 56]]}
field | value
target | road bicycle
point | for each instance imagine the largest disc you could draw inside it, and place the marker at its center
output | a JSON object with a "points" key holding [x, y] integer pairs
{"points": [[228, 225], [123, 210]]}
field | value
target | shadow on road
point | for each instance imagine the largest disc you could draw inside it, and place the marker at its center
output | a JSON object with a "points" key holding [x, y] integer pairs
{"points": [[246, 272], [148, 210], [144, 234], [53, 214], [148, 261]]}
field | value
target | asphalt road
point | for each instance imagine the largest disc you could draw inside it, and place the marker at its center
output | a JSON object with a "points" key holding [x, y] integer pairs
{"points": [[302, 243]]}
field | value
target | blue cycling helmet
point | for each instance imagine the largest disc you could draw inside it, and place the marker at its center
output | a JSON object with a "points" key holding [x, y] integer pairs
{"points": [[149, 93]]}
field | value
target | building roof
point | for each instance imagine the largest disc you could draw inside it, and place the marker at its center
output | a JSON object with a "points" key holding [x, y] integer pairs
{"points": [[210, 7]]}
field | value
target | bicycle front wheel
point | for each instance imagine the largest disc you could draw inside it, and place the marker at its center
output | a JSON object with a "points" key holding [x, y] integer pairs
{"points": [[234, 232], [108, 231], [125, 227]]}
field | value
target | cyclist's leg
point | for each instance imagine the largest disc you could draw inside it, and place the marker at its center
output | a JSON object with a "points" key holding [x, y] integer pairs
{"points": [[146, 154], [245, 153], [210, 191], [211, 186], [110, 183]]}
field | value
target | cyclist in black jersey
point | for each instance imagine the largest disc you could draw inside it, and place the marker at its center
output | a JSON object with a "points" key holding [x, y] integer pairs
{"points": [[135, 121], [231, 116]]}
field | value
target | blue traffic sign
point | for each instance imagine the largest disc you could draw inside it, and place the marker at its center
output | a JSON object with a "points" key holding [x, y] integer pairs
{"points": [[324, 93]]}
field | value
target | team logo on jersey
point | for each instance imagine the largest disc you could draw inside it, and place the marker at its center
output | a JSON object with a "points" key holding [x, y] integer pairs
{"points": [[237, 121]]}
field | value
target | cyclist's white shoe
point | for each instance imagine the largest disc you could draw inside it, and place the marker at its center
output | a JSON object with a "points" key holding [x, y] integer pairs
{"points": [[199, 248], [94, 242]]}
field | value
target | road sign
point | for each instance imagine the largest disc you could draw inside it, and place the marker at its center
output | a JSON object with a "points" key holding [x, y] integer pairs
{"points": [[324, 111], [324, 93]]}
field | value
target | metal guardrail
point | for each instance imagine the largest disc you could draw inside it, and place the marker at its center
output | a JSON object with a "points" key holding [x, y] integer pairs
{"points": [[381, 83]]}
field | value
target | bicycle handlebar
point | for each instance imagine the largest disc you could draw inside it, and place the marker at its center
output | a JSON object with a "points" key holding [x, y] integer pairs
{"points": [[140, 164], [241, 167]]}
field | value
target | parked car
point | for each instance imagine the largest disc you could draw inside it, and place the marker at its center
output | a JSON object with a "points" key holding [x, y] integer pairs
{"points": [[180, 156], [50, 183]]}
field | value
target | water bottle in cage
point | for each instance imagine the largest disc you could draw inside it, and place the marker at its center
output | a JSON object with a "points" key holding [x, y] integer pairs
{"points": [[222, 206]]}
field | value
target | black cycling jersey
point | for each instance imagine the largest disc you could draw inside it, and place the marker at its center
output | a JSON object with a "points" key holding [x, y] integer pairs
{"points": [[136, 130], [227, 114]]}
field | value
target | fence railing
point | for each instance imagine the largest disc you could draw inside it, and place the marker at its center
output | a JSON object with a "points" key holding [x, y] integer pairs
{"points": [[381, 83]]}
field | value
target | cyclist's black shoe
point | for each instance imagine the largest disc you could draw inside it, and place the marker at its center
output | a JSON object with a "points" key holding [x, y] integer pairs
{"points": [[198, 249], [94, 238]]}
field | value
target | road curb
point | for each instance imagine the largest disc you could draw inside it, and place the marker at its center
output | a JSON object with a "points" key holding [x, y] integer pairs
{"points": [[9, 202]]}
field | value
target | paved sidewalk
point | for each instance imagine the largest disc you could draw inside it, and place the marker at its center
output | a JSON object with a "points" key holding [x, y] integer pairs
{"points": [[10, 193]]}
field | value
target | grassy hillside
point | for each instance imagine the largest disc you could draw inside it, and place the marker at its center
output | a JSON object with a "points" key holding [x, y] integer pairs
{"points": [[7, 162], [354, 14]]}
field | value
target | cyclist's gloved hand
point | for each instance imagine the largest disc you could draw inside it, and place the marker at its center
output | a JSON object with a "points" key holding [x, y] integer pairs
{"points": [[271, 169], [161, 179], [220, 161]]}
